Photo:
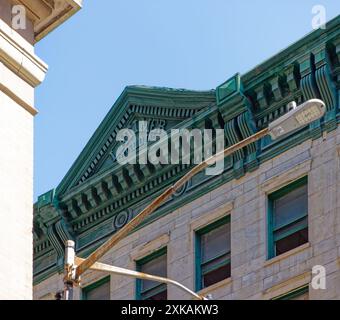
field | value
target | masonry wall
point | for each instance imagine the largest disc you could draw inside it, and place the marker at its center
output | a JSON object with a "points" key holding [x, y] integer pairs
{"points": [[252, 275], [16, 193], [20, 71]]}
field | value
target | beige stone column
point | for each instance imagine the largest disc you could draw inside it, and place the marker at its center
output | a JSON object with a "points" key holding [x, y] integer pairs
{"points": [[20, 72]]}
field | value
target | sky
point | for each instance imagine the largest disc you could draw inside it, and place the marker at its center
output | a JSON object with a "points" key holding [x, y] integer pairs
{"points": [[192, 44]]}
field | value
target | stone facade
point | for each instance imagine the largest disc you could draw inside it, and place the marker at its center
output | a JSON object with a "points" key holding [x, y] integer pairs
{"points": [[17, 176], [86, 205], [252, 275], [20, 72]]}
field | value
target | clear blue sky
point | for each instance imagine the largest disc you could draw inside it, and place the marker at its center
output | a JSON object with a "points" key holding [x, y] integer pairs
{"points": [[193, 44]]}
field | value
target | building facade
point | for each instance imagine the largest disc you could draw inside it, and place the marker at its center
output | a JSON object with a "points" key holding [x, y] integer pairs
{"points": [[257, 231], [22, 24]]}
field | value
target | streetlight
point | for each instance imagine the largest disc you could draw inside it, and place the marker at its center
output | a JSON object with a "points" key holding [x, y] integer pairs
{"points": [[298, 117]]}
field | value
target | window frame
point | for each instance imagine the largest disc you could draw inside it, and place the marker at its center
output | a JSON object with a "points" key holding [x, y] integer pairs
{"points": [[198, 258], [94, 285], [293, 293], [270, 216], [140, 263]]}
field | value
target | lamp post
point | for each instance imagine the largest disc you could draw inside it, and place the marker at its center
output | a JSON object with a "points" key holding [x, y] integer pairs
{"points": [[298, 117]]}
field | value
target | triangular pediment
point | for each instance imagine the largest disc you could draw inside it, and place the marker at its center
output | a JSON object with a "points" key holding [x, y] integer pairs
{"points": [[158, 107]]}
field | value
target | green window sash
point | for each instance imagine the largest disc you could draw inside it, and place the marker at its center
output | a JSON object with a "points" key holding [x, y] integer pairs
{"points": [[288, 230], [85, 292], [219, 260], [206, 269], [298, 216], [218, 256], [144, 295], [293, 294], [294, 223]]}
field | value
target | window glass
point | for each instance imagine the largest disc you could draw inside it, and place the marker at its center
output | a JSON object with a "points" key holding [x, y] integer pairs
{"points": [[292, 241], [156, 265], [98, 291], [288, 218], [213, 253], [290, 207], [215, 242]]}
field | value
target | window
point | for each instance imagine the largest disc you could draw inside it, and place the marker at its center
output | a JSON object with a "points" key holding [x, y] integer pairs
{"points": [[288, 218], [99, 290], [297, 294], [213, 253], [155, 264]]}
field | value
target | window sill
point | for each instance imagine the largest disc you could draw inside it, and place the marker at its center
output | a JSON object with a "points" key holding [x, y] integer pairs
{"points": [[287, 254], [217, 285]]}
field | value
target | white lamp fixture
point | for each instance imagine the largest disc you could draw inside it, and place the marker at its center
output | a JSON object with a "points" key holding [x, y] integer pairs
{"points": [[297, 118]]}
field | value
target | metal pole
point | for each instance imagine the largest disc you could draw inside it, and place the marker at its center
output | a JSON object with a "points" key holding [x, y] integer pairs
{"points": [[69, 271], [120, 234], [68, 290]]}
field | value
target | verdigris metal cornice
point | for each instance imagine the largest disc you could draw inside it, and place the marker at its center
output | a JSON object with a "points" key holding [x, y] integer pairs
{"points": [[159, 101], [110, 195], [289, 55], [107, 193]]}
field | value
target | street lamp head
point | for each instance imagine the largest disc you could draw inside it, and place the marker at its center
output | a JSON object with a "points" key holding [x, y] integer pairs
{"points": [[297, 118]]}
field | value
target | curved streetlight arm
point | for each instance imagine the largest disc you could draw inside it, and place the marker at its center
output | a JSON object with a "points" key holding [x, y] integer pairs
{"points": [[97, 266]]}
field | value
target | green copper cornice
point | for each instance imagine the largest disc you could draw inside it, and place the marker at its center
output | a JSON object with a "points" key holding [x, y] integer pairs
{"points": [[290, 54], [160, 101], [97, 197]]}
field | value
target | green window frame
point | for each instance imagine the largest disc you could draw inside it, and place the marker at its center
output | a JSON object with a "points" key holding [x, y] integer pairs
{"points": [[202, 268], [292, 295], [156, 287], [86, 290], [296, 222]]}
